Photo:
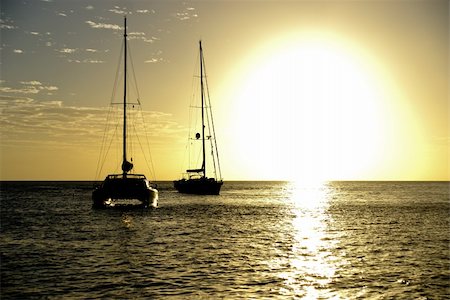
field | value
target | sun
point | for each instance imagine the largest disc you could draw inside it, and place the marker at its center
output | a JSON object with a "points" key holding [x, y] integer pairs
{"points": [[308, 111]]}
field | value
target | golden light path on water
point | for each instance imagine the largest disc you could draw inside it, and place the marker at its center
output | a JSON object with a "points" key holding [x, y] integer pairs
{"points": [[312, 265]]}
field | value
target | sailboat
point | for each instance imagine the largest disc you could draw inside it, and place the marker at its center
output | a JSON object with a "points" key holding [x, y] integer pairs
{"points": [[126, 185], [195, 181]]}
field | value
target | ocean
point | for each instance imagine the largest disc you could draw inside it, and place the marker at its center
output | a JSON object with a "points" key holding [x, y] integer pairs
{"points": [[257, 240]]}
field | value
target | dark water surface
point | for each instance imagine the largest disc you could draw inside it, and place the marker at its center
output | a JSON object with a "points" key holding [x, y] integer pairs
{"points": [[341, 240]]}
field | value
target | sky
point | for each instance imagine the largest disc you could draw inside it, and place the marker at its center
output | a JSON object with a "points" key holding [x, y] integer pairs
{"points": [[300, 90]]}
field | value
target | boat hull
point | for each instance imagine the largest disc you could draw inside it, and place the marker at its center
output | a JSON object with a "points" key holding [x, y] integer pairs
{"points": [[125, 188], [198, 186]]}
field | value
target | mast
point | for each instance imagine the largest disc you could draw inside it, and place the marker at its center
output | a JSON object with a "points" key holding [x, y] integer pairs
{"points": [[124, 163], [203, 110]]}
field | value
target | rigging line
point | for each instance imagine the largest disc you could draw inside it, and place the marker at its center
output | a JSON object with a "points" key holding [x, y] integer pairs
{"points": [[117, 138], [109, 147], [102, 155], [140, 114], [191, 123], [103, 144], [208, 115], [143, 152], [110, 116], [152, 169], [213, 128], [102, 148], [130, 123], [134, 75], [119, 64], [211, 144]]}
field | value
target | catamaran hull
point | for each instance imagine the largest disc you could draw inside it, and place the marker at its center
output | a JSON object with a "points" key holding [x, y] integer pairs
{"points": [[198, 186], [115, 188], [101, 198]]}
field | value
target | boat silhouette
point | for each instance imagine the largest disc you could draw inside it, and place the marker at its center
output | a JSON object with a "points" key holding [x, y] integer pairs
{"points": [[195, 180], [126, 185]]}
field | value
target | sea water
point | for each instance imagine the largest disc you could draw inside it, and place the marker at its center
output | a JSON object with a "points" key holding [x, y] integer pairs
{"points": [[280, 240]]}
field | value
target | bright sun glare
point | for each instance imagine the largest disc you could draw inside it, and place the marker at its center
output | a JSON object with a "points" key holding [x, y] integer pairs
{"points": [[311, 113]]}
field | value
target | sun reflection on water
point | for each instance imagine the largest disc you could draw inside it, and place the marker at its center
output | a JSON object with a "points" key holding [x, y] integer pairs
{"points": [[311, 264]]}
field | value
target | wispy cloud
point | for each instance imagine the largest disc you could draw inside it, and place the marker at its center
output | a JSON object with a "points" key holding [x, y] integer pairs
{"points": [[32, 82], [28, 87], [156, 57], [103, 25], [6, 26], [187, 14], [141, 36], [153, 60], [25, 120], [145, 11], [86, 61], [73, 55], [119, 10], [67, 50]]}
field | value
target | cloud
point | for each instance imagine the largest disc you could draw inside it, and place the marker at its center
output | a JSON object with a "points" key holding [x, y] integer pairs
{"points": [[86, 61], [103, 25], [141, 36], [153, 60], [80, 52], [4, 25], [187, 14], [29, 87], [24, 120], [67, 50], [118, 10], [145, 11], [182, 16], [33, 82]]}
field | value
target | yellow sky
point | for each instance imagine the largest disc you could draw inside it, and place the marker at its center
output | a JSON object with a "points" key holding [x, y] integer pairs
{"points": [[301, 90]]}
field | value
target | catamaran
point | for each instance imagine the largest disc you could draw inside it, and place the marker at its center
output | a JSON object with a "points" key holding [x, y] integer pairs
{"points": [[126, 185], [195, 180]]}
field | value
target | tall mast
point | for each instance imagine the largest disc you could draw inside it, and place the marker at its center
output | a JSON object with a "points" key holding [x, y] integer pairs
{"points": [[124, 169], [203, 113]]}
